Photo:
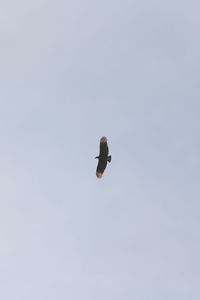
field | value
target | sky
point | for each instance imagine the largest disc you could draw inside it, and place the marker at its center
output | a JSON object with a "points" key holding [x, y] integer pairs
{"points": [[71, 72]]}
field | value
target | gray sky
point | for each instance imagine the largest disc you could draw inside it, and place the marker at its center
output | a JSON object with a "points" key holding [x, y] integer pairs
{"points": [[72, 71]]}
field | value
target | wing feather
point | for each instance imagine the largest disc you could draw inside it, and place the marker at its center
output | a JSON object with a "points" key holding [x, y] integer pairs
{"points": [[103, 146], [101, 167]]}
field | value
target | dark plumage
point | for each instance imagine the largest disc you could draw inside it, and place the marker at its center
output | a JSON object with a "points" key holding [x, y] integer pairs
{"points": [[103, 157]]}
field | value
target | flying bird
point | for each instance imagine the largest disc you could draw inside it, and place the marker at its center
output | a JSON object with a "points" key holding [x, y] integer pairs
{"points": [[103, 157]]}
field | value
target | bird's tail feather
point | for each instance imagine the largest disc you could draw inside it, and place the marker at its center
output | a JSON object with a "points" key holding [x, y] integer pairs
{"points": [[109, 158]]}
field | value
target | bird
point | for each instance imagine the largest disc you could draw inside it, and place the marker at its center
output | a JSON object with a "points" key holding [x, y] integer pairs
{"points": [[103, 157]]}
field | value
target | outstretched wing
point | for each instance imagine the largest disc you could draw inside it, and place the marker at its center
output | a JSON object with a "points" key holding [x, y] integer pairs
{"points": [[103, 157], [103, 147], [101, 167]]}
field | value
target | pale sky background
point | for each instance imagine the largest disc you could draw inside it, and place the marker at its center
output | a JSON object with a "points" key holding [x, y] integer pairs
{"points": [[70, 72]]}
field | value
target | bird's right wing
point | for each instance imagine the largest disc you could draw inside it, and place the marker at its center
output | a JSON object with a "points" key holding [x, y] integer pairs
{"points": [[104, 146]]}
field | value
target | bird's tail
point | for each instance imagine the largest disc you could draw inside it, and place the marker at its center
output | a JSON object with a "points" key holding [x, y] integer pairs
{"points": [[109, 158]]}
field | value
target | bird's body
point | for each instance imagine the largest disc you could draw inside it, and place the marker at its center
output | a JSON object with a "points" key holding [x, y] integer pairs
{"points": [[103, 157]]}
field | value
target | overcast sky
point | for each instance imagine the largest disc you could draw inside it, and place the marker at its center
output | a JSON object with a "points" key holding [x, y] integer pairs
{"points": [[70, 72]]}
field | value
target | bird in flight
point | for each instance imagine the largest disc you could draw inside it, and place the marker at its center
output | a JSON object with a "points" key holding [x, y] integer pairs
{"points": [[103, 157]]}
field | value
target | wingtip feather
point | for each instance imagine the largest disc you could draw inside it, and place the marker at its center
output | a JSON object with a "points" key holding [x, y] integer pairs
{"points": [[103, 139], [99, 175]]}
